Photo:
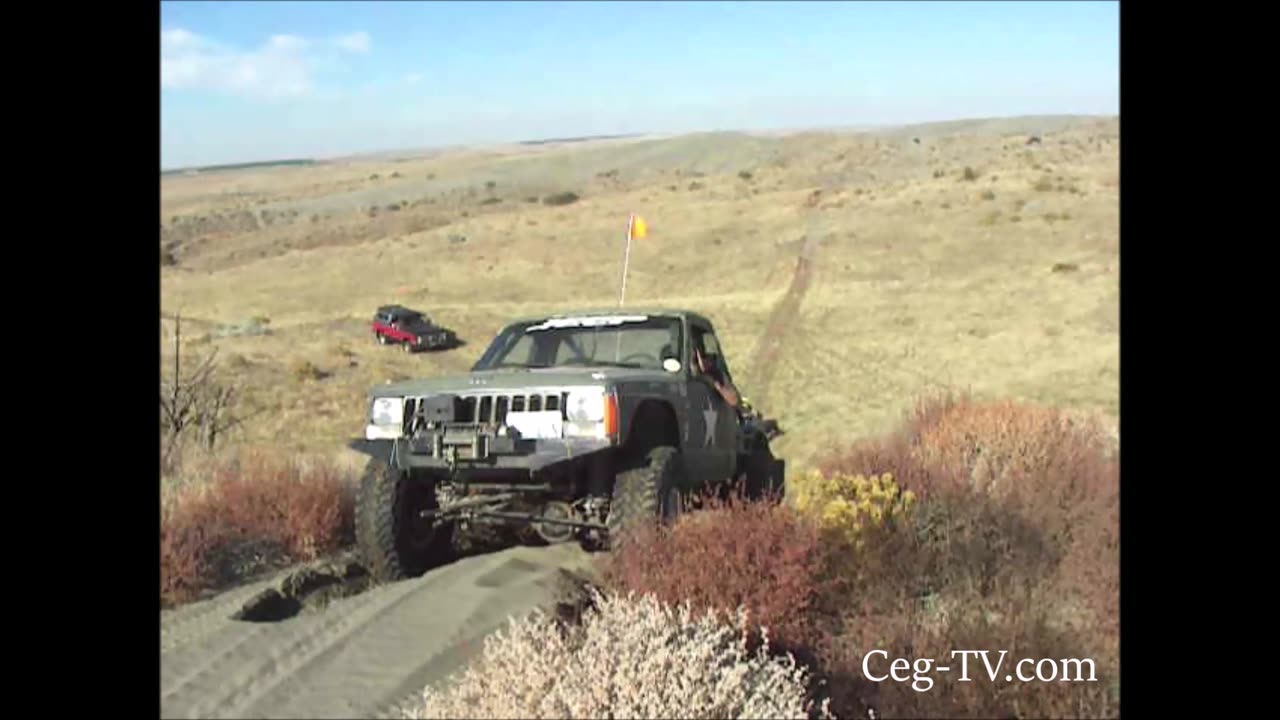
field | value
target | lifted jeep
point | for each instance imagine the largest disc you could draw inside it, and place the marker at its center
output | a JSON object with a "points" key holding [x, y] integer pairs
{"points": [[569, 427]]}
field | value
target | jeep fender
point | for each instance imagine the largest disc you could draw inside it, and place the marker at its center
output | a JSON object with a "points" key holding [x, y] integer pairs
{"points": [[648, 423]]}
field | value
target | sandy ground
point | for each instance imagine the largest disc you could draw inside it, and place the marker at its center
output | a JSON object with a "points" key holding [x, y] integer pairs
{"points": [[366, 655]]}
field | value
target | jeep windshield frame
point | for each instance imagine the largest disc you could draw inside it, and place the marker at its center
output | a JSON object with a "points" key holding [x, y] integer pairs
{"points": [[589, 341]]}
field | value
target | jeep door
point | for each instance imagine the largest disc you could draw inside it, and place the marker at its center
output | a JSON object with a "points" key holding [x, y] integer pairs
{"points": [[712, 424]]}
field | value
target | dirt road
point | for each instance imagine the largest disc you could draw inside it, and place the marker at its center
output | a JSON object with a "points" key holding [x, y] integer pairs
{"points": [[364, 655]]}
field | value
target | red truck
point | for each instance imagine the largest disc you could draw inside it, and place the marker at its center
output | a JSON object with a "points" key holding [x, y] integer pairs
{"points": [[412, 330]]}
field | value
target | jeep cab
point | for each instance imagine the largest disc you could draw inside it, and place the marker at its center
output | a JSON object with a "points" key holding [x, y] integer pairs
{"points": [[571, 426]]}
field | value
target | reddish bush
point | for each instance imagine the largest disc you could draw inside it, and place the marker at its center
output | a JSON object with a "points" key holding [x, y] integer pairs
{"points": [[251, 512], [764, 557], [1014, 546]]}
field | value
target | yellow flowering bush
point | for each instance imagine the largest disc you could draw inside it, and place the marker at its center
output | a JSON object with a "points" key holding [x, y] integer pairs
{"points": [[845, 504]]}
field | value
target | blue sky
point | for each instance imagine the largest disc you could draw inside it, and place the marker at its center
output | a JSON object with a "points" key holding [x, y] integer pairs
{"points": [[244, 81]]}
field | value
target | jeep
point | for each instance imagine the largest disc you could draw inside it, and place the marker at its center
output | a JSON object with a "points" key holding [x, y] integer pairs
{"points": [[411, 329], [579, 426]]}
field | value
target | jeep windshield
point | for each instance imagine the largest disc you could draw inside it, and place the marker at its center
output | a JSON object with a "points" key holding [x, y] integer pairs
{"points": [[630, 341]]}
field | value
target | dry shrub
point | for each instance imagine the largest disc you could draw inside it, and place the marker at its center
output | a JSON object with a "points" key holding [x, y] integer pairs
{"points": [[765, 557], [630, 657], [250, 513], [305, 370], [1013, 546]]}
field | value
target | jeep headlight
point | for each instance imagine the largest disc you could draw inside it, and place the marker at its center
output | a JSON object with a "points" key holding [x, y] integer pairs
{"points": [[591, 412], [387, 412], [585, 407]]}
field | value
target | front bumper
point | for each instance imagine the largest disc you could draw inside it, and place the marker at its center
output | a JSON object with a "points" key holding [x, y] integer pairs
{"points": [[433, 342], [471, 449]]}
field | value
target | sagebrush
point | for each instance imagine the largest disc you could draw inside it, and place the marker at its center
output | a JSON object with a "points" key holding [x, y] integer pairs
{"points": [[631, 657]]}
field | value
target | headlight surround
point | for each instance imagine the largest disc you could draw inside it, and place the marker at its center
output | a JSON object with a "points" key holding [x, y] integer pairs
{"points": [[387, 411]]}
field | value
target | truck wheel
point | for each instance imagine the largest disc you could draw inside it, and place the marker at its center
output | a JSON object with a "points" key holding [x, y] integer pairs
{"points": [[646, 495], [764, 474], [382, 339], [396, 542]]}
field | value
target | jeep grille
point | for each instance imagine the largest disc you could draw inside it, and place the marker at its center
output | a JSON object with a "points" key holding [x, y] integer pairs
{"points": [[493, 408]]}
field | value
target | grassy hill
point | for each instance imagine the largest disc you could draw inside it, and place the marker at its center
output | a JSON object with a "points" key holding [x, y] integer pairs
{"points": [[946, 255]]}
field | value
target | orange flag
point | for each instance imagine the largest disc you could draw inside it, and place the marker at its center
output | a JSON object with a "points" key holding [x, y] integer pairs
{"points": [[638, 228]]}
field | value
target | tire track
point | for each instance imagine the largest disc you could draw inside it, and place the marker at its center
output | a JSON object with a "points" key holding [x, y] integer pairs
{"points": [[360, 656], [764, 363]]}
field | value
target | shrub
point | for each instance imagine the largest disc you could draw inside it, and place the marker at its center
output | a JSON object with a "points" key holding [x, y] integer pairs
{"points": [[249, 512], [564, 198], [629, 658], [1044, 184], [844, 504], [744, 174], [764, 557], [969, 174], [304, 370], [1013, 545]]}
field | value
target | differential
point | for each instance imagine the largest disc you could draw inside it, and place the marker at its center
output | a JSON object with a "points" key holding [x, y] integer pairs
{"points": [[554, 532]]}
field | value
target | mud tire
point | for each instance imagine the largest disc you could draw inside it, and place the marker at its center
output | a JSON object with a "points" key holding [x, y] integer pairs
{"points": [[764, 475], [395, 543], [646, 496]]}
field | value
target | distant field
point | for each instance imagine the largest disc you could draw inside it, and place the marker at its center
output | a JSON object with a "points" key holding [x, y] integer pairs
{"points": [[237, 166], [954, 255]]}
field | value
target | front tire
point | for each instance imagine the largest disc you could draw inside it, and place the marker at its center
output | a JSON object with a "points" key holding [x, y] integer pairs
{"points": [[646, 496], [396, 542]]}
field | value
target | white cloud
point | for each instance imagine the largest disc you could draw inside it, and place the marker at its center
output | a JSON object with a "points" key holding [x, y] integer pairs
{"points": [[355, 42], [283, 66], [412, 79]]}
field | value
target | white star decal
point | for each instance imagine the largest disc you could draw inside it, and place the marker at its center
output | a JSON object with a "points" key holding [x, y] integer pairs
{"points": [[709, 417]]}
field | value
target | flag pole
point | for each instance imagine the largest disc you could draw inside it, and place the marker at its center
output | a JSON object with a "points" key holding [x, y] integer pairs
{"points": [[626, 260]]}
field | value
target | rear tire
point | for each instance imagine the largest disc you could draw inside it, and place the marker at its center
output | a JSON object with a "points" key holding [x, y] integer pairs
{"points": [[646, 496], [395, 541], [764, 475]]}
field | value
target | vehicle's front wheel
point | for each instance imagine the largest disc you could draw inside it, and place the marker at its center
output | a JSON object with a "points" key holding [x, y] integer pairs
{"points": [[394, 539], [646, 495]]}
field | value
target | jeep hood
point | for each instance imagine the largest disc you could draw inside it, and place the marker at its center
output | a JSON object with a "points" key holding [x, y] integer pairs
{"points": [[518, 379]]}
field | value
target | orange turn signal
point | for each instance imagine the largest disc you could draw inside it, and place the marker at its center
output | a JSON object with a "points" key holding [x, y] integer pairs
{"points": [[611, 415]]}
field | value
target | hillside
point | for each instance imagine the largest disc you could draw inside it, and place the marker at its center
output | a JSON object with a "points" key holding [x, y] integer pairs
{"points": [[945, 255]]}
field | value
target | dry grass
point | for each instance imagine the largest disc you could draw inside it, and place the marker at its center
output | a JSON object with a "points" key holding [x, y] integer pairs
{"points": [[905, 297], [631, 657]]}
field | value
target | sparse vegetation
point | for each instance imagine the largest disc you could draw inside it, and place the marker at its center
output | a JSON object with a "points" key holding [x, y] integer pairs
{"points": [[559, 199], [197, 405], [969, 174], [305, 370], [744, 174]]}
